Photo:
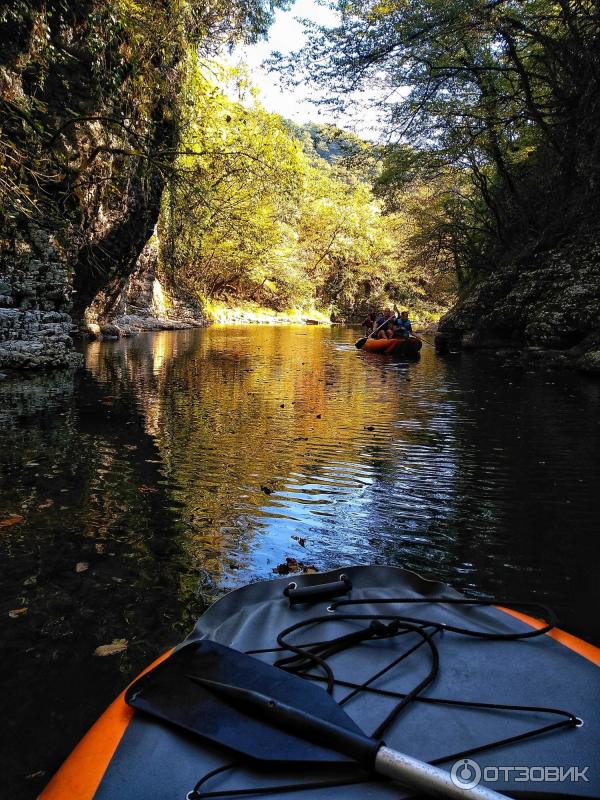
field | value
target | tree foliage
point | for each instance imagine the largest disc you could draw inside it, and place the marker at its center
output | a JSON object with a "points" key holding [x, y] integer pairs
{"points": [[495, 100], [113, 64], [230, 202], [254, 210]]}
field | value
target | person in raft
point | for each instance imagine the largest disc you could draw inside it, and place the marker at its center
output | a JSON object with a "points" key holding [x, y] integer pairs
{"points": [[369, 322], [385, 324], [379, 320], [402, 327]]}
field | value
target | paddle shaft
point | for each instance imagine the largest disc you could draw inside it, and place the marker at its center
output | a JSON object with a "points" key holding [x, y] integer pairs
{"points": [[424, 777], [370, 753], [424, 341]]}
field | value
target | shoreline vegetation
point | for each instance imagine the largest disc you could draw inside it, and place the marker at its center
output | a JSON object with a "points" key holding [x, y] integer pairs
{"points": [[222, 313], [213, 313], [218, 312]]}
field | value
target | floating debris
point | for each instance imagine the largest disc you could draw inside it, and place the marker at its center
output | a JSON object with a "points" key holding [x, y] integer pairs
{"points": [[117, 646], [292, 565], [13, 519], [37, 774]]}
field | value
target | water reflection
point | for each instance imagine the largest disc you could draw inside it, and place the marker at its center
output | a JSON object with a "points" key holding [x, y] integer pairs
{"points": [[92, 559], [178, 465], [470, 470]]}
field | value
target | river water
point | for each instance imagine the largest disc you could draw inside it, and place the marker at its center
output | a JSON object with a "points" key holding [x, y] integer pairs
{"points": [[179, 465]]}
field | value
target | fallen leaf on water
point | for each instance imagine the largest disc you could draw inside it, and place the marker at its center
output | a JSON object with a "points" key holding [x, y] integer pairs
{"points": [[100, 547], [292, 565], [17, 612], [13, 519], [81, 566], [301, 541], [147, 489], [46, 504], [117, 646]]}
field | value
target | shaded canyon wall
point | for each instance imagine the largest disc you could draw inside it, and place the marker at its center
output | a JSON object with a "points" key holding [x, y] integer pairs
{"points": [[82, 171], [549, 308]]}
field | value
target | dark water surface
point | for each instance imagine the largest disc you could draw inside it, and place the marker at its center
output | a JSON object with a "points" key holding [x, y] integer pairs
{"points": [[179, 465]]}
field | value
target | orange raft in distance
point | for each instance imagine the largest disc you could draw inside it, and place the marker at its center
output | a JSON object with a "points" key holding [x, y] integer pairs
{"points": [[398, 347]]}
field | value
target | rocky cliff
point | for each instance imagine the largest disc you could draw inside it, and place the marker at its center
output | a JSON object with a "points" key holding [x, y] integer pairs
{"points": [[84, 149], [548, 307], [145, 300]]}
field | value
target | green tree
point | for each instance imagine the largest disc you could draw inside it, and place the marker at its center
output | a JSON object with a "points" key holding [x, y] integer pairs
{"points": [[237, 174], [502, 93], [262, 209]]}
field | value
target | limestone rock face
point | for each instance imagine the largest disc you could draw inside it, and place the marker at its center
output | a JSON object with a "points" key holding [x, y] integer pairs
{"points": [[35, 296], [551, 304], [79, 195], [146, 300]]}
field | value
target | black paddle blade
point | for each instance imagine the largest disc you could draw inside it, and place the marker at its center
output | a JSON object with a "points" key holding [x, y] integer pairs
{"points": [[360, 342], [168, 693]]}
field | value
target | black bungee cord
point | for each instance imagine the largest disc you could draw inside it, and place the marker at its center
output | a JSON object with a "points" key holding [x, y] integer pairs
{"points": [[313, 655]]}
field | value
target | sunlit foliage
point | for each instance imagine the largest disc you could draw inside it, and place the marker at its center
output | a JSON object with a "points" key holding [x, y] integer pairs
{"points": [[262, 209], [113, 64]]}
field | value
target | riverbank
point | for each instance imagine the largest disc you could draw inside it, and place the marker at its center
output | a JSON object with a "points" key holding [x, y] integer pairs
{"points": [[254, 314], [545, 311], [163, 313]]}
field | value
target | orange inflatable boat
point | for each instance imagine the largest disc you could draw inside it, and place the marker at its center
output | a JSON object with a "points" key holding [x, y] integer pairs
{"points": [[397, 347], [451, 679]]}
